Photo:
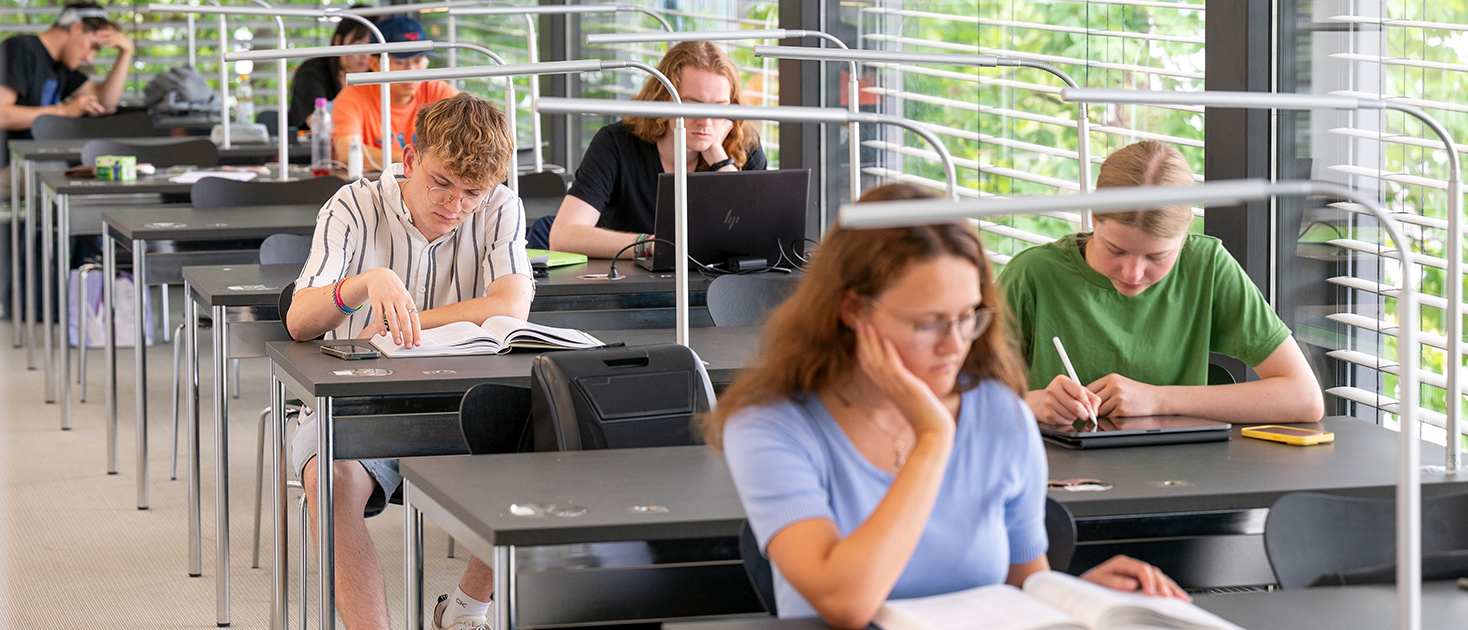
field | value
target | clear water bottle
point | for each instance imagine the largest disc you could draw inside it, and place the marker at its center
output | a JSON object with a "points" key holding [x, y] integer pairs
{"points": [[321, 139], [354, 157], [245, 100]]}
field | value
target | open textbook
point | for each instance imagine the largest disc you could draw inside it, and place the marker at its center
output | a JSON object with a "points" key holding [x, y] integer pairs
{"points": [[495, 336], [1049, 601]]}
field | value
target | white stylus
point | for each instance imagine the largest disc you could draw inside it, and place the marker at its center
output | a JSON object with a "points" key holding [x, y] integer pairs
{"points": [[1064, 358]]}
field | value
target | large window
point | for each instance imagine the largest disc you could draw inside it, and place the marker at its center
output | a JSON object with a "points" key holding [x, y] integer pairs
{"points": [[1009, 132], [1409, 52]]}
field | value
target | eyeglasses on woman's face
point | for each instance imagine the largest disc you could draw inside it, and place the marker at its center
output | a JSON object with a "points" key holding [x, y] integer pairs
{"points": [[929, 333]]}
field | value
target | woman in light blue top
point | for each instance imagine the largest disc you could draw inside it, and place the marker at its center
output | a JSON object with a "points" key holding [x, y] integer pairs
{"points": [[883, 450]]}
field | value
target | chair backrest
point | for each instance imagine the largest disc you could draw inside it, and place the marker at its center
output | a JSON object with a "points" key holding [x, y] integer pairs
{"points": [[1309, 535], [126, 125], [1060, 527], [195, 152], [1219, 375], [495, 418], [218, 192], [271, 120], [542, 184], [746, 300], [640, 396], [757, 568], [285, 249]]}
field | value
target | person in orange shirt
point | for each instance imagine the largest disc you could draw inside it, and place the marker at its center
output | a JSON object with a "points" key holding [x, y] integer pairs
{"points": [[358, 108]]}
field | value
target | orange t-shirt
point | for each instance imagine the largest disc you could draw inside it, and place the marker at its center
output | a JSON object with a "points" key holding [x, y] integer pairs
{"points": [[358, 110]]}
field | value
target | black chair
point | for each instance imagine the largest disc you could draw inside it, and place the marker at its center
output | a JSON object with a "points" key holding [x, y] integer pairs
{"points": [[542, 184], [495, 418], [285, 249], [1317, 539], [1219, 375], [746, 300], [1060, 527], [195, 152], [758, 568], [218, 192], [271, 120], [126, 125]]}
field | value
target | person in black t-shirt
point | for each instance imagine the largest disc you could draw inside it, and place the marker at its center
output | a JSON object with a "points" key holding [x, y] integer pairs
{"points": [[322, 77], [40, 76], [613, 202]]}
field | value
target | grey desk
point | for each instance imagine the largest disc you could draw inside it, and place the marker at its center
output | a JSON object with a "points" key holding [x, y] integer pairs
{"points": [[1444, 607], [1220, 492], [137, 228], [628, 495], [640, 299], [25, 154], [325, 382], [241, 300]]}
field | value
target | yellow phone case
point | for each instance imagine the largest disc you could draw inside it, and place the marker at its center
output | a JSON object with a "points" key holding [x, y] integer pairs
{"points": [[1316, 437]]}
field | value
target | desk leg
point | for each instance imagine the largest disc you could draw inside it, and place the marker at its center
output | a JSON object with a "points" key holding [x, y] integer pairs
{"points": [[504, 556], [412, 559], [221, 468], [15, 287], [325, 521], [63, 303], [109, 358], [140, 367], [48, 266], [280, 513], [190, 374], [30, 265]]}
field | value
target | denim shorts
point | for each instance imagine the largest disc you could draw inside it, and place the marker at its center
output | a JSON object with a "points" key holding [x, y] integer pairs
{"points": [[388, 486]]}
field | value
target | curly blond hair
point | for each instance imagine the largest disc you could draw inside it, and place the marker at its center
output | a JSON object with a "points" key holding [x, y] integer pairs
{"points": [[469, 135]]}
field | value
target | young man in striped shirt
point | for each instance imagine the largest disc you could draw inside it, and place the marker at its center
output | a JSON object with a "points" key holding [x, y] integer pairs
{"points": [[437, 240]]}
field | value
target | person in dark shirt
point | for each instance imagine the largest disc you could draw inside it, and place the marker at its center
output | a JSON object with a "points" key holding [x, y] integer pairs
{"points": [[613, 202], [40, 74], [323, 77]]}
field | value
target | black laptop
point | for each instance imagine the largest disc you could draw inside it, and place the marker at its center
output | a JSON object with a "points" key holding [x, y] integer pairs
{"points": [[743, 213], [1135, 431]]}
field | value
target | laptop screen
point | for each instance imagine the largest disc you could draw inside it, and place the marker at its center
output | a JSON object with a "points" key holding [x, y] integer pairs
{"points": [[743, 213]]}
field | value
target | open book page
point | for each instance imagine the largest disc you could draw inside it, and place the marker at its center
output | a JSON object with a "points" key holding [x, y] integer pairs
{"points": [[998, 607], [1102, 608], [522, 334], [452, 338]]}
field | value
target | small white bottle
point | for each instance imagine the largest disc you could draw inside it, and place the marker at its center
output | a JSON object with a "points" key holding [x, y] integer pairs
{"points": [[354, 157]]}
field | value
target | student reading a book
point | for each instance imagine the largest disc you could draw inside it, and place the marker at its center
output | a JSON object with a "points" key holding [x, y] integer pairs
{"points": [[438, 239], [882, 449], [1139, 304], [613, 202]]}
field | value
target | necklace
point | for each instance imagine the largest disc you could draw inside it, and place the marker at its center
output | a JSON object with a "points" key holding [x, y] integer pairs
{"points": [[896, 436]]}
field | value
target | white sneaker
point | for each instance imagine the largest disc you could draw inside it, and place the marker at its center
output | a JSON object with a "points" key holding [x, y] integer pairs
{"points": [[462, 623]]}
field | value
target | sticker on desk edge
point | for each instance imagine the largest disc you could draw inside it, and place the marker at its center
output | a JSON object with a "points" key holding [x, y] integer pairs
{"points": [[1078, 485], [363, 372], [542, 510], [252, 287]]}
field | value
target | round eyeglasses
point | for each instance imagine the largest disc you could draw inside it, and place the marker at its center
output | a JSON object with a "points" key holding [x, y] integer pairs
{"points": [[931, 333], [443, 196]]}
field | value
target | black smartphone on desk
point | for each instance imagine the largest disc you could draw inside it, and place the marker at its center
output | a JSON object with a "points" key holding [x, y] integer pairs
{"points": [[351, 350]]}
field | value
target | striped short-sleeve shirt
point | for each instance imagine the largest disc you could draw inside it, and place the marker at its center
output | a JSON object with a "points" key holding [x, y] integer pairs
{"points": [[366, 225]]}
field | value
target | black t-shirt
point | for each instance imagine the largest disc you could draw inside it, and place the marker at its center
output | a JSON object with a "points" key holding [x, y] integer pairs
{"points": [[314, 79], [38, 79], [619, 177]]}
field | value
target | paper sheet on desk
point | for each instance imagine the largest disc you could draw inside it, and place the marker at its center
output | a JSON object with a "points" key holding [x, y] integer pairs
{"points": [[194, 176]]}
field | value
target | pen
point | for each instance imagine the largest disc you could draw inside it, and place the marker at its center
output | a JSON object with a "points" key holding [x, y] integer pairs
{"points": [[1064, 358]]}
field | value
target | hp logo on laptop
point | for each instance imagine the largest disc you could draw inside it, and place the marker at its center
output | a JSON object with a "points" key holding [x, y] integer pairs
{"points": [[730, 220]]}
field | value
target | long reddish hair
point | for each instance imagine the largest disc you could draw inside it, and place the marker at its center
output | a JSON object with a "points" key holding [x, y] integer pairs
{"points": [[806, 346], [703, 56]]}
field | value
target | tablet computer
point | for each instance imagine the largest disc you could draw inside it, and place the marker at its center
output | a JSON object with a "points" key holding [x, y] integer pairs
{"points": [[1135, 431]]}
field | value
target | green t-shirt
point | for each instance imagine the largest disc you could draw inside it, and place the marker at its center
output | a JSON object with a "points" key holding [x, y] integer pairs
{"points": [[1161, 337]]}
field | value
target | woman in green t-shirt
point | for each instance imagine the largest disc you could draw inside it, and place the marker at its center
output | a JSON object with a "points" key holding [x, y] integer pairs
{"points": [[1139, 304]]}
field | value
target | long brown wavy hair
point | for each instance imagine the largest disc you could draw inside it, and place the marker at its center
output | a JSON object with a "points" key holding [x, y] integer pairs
{"points": [[807, 348], [703, 56]]}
